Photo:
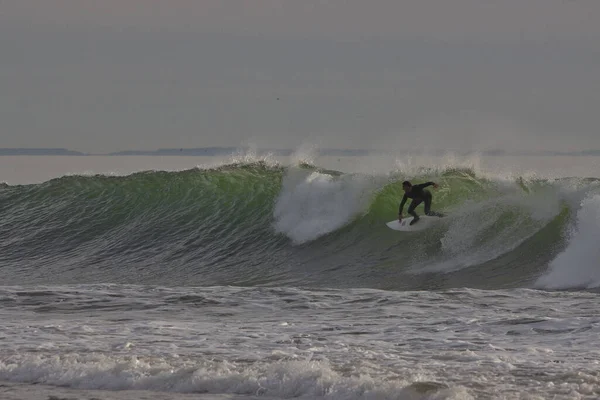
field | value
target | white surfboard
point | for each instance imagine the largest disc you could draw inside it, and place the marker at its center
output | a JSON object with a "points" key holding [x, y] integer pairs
{"points": [[425, 221]]}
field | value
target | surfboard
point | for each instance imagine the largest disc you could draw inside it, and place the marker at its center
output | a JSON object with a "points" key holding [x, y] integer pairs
{"points": [[425, 221]]}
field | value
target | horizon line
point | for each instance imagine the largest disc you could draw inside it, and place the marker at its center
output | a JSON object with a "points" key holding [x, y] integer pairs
{"points": [[231, 150]]}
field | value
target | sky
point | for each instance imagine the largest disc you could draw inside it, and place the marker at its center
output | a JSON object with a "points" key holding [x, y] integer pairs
{"points": [[101, 76]]}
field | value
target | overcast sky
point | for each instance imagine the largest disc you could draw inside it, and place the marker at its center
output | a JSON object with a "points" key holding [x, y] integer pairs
{"points": [[108, 75]]}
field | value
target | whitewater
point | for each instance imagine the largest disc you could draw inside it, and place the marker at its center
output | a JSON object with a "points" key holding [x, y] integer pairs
{"points": [[252, 277]]}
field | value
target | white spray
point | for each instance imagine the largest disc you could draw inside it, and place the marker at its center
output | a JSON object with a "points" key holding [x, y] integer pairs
{"points": [[312, 204], [463, 244], [579, 264]]}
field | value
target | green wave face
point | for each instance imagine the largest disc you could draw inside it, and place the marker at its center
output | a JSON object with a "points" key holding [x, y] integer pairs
{"points": [[254, 224]]}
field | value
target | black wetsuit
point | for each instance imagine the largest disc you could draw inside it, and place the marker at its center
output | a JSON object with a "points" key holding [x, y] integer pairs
{"points": [[419, 195]]}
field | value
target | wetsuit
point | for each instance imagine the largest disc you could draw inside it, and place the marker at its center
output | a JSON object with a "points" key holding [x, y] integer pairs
{"points": [[418, 194]]}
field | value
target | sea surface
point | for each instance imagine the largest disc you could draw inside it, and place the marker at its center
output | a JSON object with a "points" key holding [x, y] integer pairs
{"points": [[257, 277]]}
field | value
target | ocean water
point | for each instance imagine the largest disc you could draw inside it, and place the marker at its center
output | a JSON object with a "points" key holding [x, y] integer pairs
{"points": [[260, 278]]}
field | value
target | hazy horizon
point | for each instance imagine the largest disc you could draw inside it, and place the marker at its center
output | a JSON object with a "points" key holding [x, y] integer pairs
{"points": [[290, 151], [464, 75]]}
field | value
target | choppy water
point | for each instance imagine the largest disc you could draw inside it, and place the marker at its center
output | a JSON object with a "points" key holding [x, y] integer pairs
{"points": [[260, 280]]}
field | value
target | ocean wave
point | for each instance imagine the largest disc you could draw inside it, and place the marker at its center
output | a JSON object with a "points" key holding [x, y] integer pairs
{"points": [[259, 223]]}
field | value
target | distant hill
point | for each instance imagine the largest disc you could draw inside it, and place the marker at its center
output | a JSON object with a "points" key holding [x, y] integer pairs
{"points": [[225, 151], [579, 153], [39, 152], [202, 151]]}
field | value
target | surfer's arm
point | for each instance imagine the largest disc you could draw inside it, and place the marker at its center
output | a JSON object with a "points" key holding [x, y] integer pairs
{"points": [[402, 203], [424, 185]]}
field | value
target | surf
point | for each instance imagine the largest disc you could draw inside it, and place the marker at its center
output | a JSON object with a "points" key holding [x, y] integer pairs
{"points": [[257, 223]]}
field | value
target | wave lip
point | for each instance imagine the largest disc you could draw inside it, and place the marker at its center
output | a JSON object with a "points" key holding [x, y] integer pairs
{"points": [[578, 266]]}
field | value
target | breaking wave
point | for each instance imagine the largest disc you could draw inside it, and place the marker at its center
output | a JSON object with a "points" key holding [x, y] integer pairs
{"points": [[254, 223]]}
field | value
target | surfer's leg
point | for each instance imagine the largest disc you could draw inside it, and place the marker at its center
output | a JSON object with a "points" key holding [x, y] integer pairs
{"points": [[411, 210], [427, 201], [427, 204]]}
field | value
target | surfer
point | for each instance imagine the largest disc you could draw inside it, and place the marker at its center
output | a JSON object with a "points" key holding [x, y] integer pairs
{"points": [[419, 195]]}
